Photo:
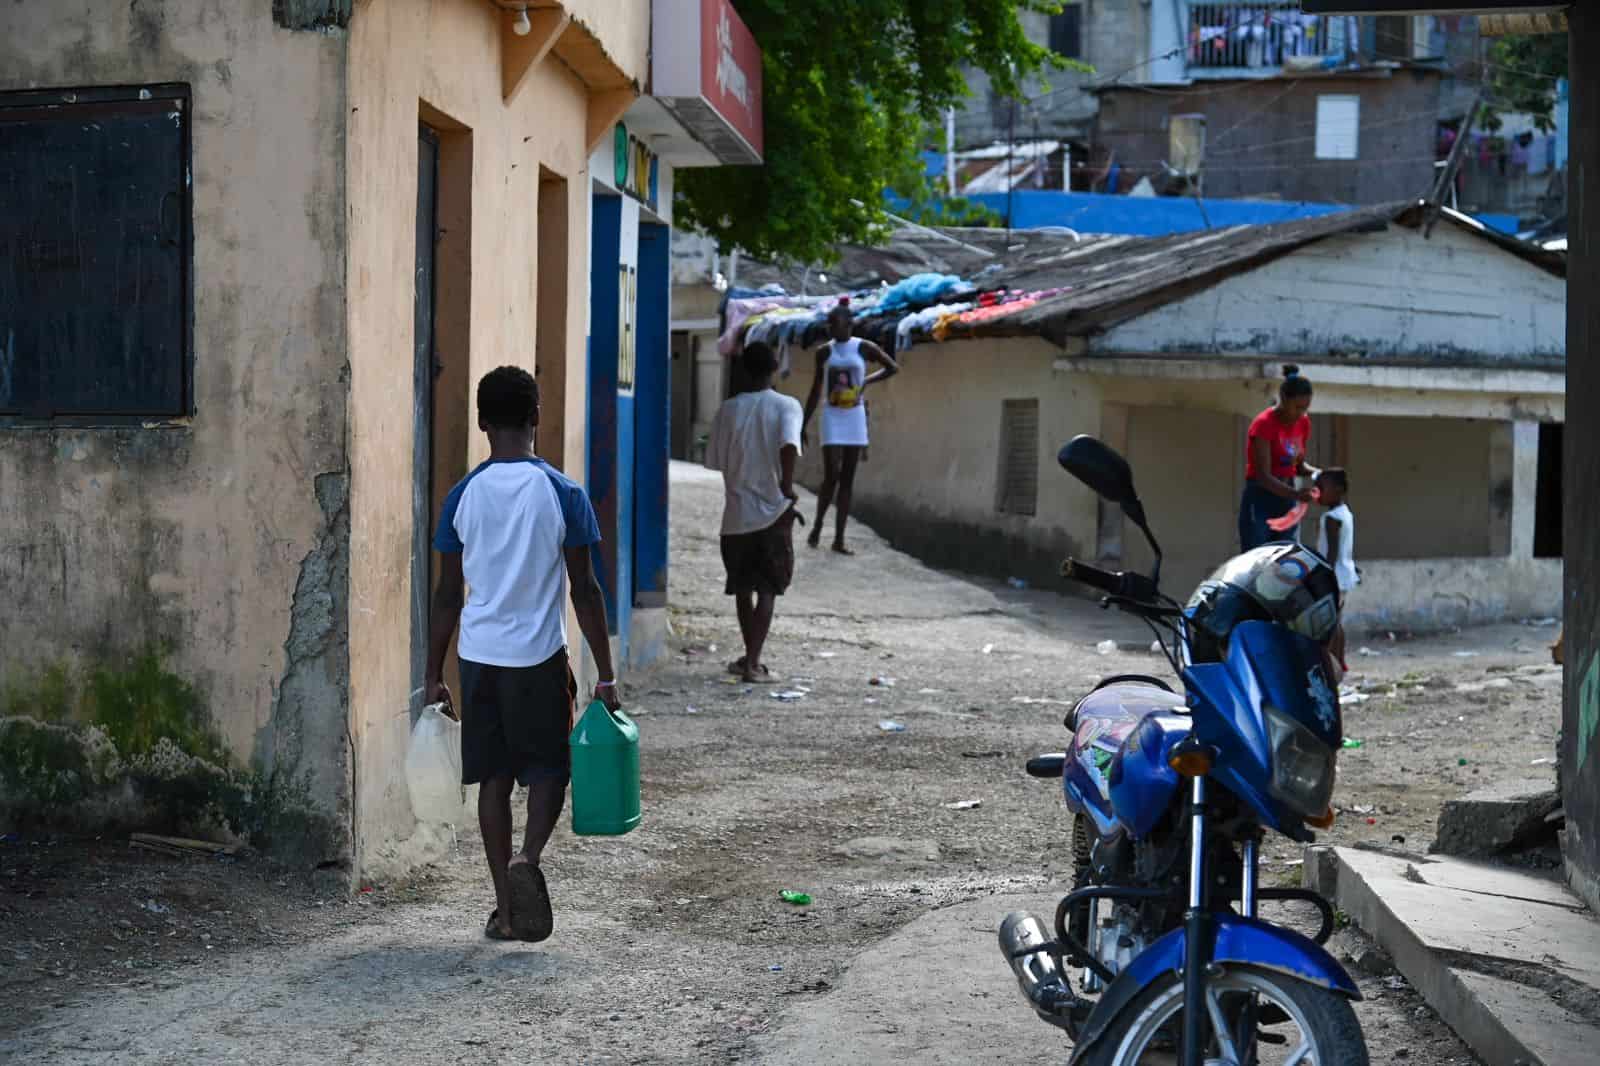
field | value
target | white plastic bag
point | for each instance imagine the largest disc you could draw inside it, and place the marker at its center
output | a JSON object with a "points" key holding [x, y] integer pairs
{"points": [[433, 766]]}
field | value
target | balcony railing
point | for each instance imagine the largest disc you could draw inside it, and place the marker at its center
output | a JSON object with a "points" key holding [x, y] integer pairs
{"points": [[1260, 35]]}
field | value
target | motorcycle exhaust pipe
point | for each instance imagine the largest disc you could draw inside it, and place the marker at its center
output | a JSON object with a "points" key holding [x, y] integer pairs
{"points": [[1025, 946]]}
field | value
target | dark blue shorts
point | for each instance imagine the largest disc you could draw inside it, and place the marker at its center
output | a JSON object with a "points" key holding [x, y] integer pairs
{"points": [[516, 720]]}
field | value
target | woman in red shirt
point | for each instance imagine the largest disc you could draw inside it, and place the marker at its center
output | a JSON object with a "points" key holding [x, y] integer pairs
{"points": [[1275, 451]]}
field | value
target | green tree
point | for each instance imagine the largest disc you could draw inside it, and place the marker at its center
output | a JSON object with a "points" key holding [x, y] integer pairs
{"points": [[1522, 73], [850, 87]]}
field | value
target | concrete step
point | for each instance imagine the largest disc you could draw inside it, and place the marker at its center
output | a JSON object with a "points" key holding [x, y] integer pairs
{"points": [[1510, 960]]}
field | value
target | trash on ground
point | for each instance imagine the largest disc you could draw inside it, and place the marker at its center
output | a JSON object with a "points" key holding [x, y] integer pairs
{"points": [[983, 755], [1395, 983], [930, 692], [987, 648], [1372, 821], [1398, 838], [869, 699], [789, 695], [1461, 762], [1016, 582], [890, 726], [799, 899], [1364, 808], [963, 805], [691, 709], [1350, 742], [776, 968], [712, 648], [882, 682], [1539, 622], [1155, 647], [1465, 654], [827, 654], [1354, 697], [1542, 761], [179, 845], [1369, 653], [155, 908], [1040, 699], [1106, 647]]}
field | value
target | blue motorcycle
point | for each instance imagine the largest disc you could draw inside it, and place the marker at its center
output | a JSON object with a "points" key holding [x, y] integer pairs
{"points": [[1171, 794]]}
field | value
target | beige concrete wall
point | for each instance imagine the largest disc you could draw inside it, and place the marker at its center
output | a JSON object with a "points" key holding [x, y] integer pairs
{"points": [[933, 468], [204, 532], [623, 29], [1420, 488], [407, 55]]}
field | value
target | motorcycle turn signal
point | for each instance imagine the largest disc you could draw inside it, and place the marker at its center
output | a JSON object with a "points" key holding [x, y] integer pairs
{"points": [[1323, 820], [1192, 757]]}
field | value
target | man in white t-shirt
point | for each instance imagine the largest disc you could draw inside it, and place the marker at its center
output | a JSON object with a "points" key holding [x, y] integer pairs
{"points": [[511, 531], [755, 441]]}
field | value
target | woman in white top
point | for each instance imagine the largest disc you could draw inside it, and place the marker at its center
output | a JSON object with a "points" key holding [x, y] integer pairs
{"points": [[841, 381], [1336, 540]]}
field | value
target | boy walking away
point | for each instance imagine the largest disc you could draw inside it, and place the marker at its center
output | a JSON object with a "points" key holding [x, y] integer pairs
{"points": [[1336, 541], [755, 441], [506, 531]]}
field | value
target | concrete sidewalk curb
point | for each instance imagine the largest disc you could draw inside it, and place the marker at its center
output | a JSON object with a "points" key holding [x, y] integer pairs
{"points": [[1509, 960]]}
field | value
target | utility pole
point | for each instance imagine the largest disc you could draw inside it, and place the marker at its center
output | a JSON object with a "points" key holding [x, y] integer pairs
{"points": [[950, 151], [1451, 163]]}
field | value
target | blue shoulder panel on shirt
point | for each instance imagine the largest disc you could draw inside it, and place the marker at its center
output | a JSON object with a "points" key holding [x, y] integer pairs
{"points": [[445, 538], [583, 528]]}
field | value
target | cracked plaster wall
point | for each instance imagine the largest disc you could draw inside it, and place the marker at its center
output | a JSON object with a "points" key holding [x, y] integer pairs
{"points": [[225, 534]]}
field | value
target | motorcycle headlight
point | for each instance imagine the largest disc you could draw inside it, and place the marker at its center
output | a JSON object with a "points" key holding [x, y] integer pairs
{"points": [[1302, 765]]}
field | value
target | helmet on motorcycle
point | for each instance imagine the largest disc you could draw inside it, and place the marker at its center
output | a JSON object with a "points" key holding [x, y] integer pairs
{"points": [[1284, 583]]}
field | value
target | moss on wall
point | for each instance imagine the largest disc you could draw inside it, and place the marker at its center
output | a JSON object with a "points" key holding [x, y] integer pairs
{"points": [[127, 743]]}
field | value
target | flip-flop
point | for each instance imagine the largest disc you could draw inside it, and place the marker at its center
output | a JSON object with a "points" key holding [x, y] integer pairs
{"points": [[737, 669], [842, 550], [531, 917], [491, 928]]}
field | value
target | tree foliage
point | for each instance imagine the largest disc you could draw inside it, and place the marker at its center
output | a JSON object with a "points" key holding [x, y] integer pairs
{"points": [[1522, 77], [849, 88]]}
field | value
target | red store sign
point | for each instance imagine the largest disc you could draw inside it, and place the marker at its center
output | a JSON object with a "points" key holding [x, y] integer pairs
{"points": [[706, 70]]}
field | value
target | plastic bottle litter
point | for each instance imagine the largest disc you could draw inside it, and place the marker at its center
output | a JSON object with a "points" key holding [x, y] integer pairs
{"points": [[1350, 742], [799, 899], [789, 696], [1106, 647], [963, 805], [889, 726]]}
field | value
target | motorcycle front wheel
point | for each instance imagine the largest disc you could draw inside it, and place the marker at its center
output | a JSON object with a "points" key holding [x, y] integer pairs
{"points": [[1258, 1018]]}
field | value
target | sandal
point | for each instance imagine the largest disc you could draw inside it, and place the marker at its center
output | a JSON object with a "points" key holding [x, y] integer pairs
{"points": [[531, 917], [737, 668], [491, 928]]}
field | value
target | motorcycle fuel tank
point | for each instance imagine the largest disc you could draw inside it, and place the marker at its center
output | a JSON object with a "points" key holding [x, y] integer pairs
{"points": [[1103, 722]]}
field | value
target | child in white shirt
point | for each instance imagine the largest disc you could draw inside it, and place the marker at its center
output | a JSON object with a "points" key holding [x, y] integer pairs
{"points": [[1336, 540]]}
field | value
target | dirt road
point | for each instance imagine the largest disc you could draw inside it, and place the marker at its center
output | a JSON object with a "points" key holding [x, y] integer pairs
{"points": [[671, 944]]}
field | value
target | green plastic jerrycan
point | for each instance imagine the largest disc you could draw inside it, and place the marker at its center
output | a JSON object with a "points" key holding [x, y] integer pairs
{"points": [[605, 773]]}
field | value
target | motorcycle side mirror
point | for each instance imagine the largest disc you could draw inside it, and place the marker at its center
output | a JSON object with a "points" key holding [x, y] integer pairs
{"points": [[1098, 466]]}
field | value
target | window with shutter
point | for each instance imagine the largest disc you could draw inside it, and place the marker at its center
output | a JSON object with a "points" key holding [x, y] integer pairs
{"points": [[95, 254], [1019, 457], [1066, 32], [1338, 126]]}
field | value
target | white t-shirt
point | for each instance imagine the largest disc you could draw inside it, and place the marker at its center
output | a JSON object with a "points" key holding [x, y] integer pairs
{"points": [[510, 519], [747, 434], [1344, 567]]}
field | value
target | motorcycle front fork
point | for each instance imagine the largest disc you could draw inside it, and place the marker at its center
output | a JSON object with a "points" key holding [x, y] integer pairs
{"points": [[1198, 927]]}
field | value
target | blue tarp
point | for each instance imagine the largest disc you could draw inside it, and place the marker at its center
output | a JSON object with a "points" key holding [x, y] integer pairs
{"points": [[1150, 216]]}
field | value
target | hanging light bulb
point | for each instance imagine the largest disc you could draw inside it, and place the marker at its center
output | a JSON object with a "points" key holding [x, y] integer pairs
{"points": [[522, 26]]}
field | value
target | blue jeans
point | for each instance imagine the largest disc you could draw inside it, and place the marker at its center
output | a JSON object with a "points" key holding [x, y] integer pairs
{"points": [[1256, 506]]}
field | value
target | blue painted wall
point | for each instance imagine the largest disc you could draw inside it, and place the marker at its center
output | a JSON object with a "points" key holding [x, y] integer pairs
{"points": [[605, 236], [652, 417]]}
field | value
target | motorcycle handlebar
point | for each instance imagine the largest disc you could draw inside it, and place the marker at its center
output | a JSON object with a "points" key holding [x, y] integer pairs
{"points": [[1104, 580]]}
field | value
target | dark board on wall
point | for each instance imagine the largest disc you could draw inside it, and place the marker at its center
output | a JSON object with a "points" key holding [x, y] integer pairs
{"points": [[94, 253]]}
